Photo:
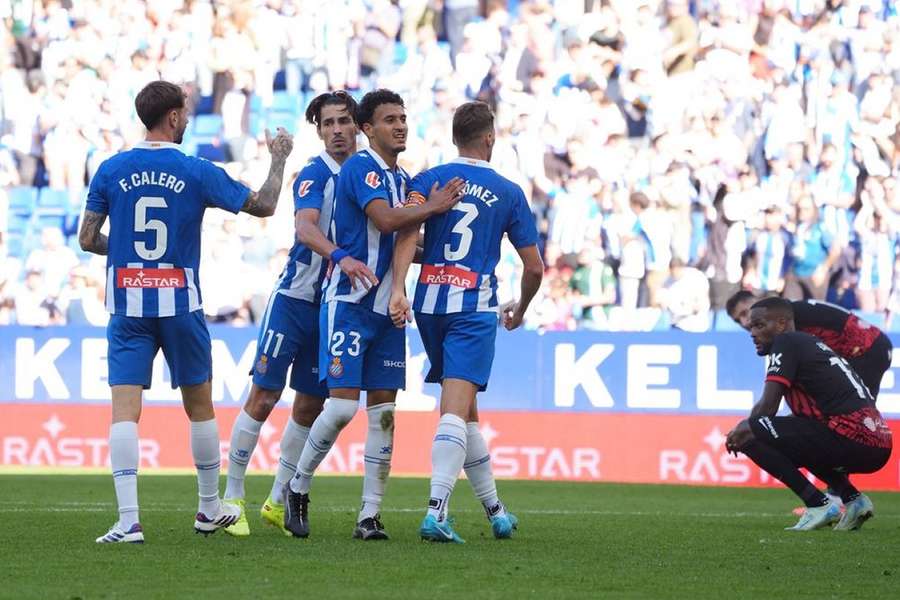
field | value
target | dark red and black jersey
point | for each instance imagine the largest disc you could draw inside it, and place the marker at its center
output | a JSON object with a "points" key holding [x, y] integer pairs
{"points": [[822, 386], [842, 331]]}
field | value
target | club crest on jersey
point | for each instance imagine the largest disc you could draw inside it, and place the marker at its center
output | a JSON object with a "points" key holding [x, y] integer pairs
{"points": [[262, 365], [336, 369], [303, 188], [373, 180]]}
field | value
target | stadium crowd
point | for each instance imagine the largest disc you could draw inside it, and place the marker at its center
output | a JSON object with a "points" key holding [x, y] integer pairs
{"points": [[673, 151]]}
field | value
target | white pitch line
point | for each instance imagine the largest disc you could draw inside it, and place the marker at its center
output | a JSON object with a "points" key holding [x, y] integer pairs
{"points": [[71, 507]]}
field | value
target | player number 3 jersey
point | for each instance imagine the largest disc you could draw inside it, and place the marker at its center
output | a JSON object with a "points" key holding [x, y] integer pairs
{"points": [[155, 197], [462, 246]]}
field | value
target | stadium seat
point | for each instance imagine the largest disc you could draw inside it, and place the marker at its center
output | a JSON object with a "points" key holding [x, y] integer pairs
{"points": [[48, 217], [256, 104], [211, 152], [204, 106], [207, 125], [15, 244], [55, 199], [665, 321], [875, 318], [400, 53], [22, 199], [18, 223], [285, 102], [722, 322], [279, 119]]}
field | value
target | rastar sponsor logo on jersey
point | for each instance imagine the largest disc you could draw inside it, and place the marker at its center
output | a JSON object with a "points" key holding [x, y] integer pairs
{"points": [[150, 278], [448, 276], [53, 445]]}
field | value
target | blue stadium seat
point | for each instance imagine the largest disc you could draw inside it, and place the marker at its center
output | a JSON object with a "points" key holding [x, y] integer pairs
{"points": [[722, 322], [50, 198], [211, 152], [15, 244], [256, 105], [279, 119], [255, 124], [48, 217], [400, 53], [18, 223], [665, 321], [204, 106], [207, 125], [22, 199], [875, 318], [285, 102]]}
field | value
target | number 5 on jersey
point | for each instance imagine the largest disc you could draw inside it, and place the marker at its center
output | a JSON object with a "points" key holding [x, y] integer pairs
{"points": [[142, 224]]}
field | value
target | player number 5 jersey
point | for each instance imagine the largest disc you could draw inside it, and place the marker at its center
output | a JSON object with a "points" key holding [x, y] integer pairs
{"points": [[155, 197]]}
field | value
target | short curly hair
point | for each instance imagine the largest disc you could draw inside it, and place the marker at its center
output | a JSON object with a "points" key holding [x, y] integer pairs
{"points": [[371, 101]]}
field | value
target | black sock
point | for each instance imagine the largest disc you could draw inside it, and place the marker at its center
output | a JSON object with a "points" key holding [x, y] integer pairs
{"points": [[782, 468], [839, 485]]}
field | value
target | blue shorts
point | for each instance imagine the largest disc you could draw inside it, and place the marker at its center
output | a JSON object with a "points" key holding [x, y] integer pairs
{"points": [[363, 350], [459, 345], [134, 342], [289, 336]]}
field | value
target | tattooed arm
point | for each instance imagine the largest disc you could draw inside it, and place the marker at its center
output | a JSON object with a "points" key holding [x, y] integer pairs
{"points": [[263, 202], [89, 236]]}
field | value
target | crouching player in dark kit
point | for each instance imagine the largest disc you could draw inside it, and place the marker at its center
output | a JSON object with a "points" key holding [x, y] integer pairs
{"points": [[835, 429]]}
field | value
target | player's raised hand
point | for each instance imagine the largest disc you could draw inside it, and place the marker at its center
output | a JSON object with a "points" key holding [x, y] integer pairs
{"points": [[511, 316], [360, 275], [399, 309], [281, 145], [446, 197]]}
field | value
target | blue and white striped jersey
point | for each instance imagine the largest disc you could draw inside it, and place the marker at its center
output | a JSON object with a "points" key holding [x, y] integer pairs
{"points": [[305, 270], [462, 246], [155, 197], [365, 177], [772, 257]]}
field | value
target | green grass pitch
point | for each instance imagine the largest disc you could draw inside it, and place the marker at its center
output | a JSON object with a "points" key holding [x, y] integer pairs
{"points": [[574, 541]]}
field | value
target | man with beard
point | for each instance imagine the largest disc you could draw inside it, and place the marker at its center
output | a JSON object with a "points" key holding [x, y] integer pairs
{"points": [[155, 197]]}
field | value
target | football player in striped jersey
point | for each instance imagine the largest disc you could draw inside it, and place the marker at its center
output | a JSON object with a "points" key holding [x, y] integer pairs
{"points": [[154, 197]]}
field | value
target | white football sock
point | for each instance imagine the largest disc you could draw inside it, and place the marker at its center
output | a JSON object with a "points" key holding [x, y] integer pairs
{"points": [[478, 470], [205, 448], [244, 436], [293, 439], [448, 453], [378, 452], [335, 415], [124, 456]]}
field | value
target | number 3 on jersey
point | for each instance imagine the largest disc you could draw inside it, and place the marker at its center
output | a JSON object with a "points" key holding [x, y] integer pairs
{"points": [[142, 224], [470, 212]]}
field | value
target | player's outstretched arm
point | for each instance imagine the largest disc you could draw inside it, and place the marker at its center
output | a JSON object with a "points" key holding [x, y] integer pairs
{"points": [[263, 202], [89, 237], [404, 253], [440, 200], [306, 223], [532, 274]]}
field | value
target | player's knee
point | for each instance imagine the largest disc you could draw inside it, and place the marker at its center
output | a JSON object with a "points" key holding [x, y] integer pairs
{"points": [[340, 411], [260, 402], [306, 409]]}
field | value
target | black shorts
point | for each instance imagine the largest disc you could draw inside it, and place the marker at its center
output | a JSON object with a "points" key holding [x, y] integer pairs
{"points": [[872, 365], [811, 444]]}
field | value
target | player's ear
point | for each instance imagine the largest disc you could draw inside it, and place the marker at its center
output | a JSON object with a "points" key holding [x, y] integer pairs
{"points": [[367, 129]]}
